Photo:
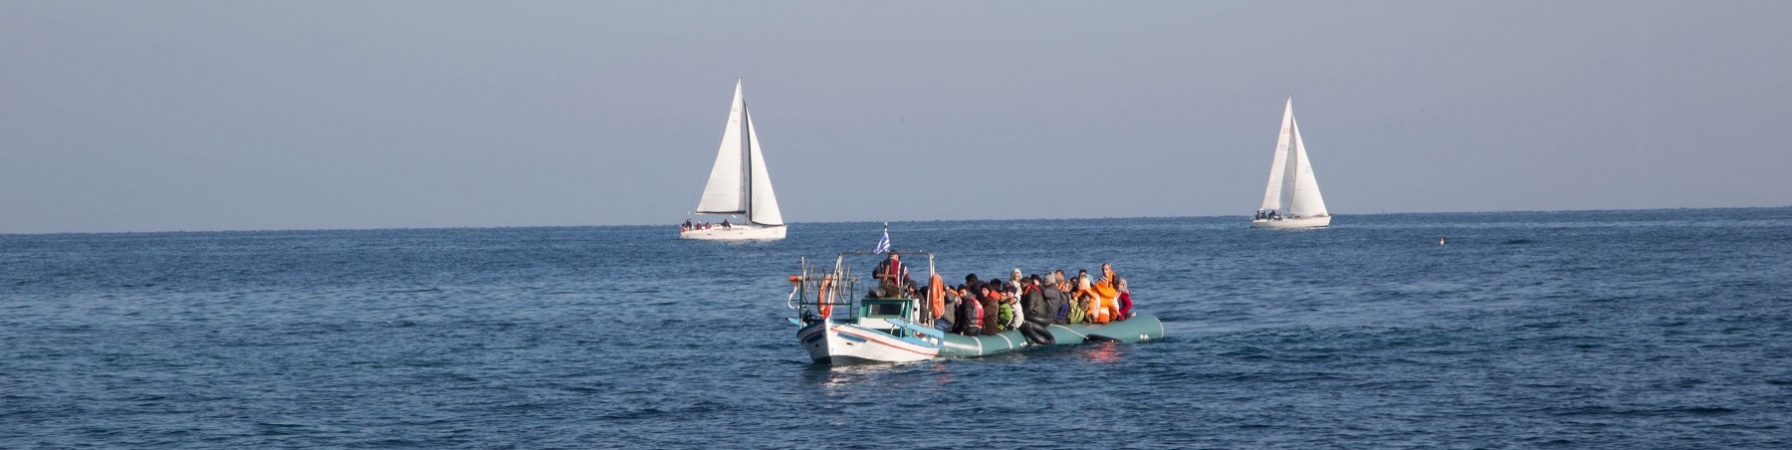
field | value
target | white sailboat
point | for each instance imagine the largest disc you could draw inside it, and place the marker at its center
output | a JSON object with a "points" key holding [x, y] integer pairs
{"points": [[1292, 199], [739, 185]]}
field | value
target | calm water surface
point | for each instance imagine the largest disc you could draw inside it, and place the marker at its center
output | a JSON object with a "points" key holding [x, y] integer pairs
{"points": [[1606, 329]]}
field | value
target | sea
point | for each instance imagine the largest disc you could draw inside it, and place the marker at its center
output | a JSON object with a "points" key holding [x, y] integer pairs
{"points": [[1585, 329]]}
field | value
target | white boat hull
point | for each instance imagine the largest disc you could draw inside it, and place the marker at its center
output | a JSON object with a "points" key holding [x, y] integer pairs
{"points": [[1301, 222], [842, 343], [735, 233]]}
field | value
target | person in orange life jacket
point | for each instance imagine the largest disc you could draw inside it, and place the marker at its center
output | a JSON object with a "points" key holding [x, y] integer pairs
{"points": [[1107, 291]]}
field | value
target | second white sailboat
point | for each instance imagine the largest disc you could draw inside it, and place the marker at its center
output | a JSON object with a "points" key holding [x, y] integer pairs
{"points": [[1292, 199], [739, 186]]}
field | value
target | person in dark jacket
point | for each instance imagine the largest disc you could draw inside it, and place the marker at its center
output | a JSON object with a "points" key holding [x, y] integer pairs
{"points": [[1037, 316], [1057, 304], [970, 313]]}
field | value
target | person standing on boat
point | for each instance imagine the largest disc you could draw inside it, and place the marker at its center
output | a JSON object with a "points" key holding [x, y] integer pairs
{"points": [[890, 275]]}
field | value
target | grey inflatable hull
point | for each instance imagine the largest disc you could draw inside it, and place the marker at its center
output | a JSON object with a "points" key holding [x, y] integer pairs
{"points": [[1140, 328]]}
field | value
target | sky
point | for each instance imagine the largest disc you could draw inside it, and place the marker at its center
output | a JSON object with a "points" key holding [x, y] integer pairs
{"points": [[228, 115]]}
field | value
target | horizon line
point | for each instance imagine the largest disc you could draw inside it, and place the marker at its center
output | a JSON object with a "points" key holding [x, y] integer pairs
{"points": [[1384, 213]]}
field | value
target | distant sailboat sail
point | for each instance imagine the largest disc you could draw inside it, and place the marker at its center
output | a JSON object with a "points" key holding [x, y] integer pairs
{"points": [[739, 183], [1293, 192]]}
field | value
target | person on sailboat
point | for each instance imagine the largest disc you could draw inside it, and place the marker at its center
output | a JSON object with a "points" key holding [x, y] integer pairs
{"points": [[726, 226]]}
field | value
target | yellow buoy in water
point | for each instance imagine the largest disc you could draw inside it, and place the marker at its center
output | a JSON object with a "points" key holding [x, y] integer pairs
{"points": [[1440, 241]]}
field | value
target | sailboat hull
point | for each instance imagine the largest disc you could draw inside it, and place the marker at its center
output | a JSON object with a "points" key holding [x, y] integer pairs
{"points": [[735, 233], [1285, 224]]}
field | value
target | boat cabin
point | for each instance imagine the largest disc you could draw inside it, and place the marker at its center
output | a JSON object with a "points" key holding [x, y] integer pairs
{"points": [[819, 290]]}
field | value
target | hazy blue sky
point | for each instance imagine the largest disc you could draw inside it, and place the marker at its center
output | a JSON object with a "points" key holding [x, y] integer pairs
{"points": [[230, 115]]}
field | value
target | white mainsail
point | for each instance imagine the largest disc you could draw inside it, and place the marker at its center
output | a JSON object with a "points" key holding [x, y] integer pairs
{"points": [[739, 182], [1293, 190]]}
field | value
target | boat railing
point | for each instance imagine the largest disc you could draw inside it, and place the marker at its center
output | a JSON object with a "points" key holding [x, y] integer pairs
{"points": [[819, 290]]}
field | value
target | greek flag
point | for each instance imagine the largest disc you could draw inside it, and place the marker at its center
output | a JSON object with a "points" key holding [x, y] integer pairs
{"points": [[883, 245]]}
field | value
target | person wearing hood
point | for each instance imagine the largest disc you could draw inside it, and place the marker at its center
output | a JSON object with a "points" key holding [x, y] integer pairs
{"points": [[991, 306]]}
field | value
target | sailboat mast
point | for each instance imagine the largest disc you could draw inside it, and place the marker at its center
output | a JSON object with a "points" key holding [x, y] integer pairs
{"points": [[1291, 178]]}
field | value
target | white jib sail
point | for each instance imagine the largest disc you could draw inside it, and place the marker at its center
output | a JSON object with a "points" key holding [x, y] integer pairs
{"points": [[1272, 195], [723, 193], [1304, 198], [764, 207]]}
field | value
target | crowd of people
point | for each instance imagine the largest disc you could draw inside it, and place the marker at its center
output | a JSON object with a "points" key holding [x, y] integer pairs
{"points": [[1027, 303], [690, 226]]}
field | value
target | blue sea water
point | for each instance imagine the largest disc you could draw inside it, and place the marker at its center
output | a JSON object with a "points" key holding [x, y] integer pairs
{"points": [[1596, 329]]}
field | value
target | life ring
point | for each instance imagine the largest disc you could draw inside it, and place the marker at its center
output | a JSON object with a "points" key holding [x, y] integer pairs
{"points": [[936, 293], [824, 297]]}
